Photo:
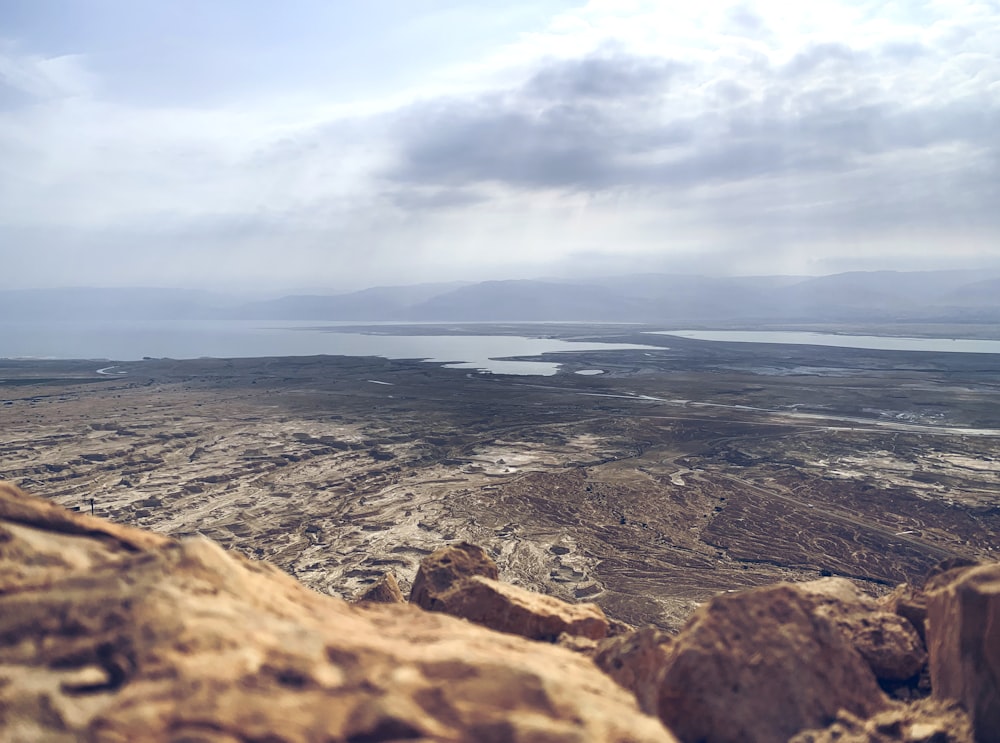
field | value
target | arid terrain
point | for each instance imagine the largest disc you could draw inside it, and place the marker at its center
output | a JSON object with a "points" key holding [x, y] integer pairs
{"points": [[674, 475]]}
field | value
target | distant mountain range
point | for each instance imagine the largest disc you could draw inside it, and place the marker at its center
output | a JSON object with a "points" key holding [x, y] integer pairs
{"points": [[876, 296]]}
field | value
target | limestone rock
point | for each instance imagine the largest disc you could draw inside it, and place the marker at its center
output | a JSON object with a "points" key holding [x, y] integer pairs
{"points": [[581, 645], [963, 637], [444, 567], [946, 571], [636, 661], [384, 591], [617, 627], [910, 603], [759, 666], [887, 641], [111, 634], [926, 721], [508, 608], [19, 508], [462, 580]]}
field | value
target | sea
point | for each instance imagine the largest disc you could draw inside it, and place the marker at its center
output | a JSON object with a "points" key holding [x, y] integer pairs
{"points": [[132, 341], [124, 340], [871, 342]]}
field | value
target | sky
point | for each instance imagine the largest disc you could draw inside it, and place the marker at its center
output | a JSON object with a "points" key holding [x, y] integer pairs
{"points": [[334, 144]]}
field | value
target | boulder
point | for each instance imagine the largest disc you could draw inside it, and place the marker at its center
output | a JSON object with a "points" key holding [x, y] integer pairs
{"points": [[946, 571], [636, 661], [617, 627], [909, 603], [517, 611], [447, 565], [963, 638], [758, 667], [887, 641], [925, 721], [384, 591], [581, 645], [111, 634], [462, 580]]}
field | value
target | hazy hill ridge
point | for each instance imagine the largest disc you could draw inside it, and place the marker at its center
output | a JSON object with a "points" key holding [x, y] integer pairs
{"points": [[876, 296]]}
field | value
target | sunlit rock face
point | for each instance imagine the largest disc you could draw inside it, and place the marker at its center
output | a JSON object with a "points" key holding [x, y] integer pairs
{"points": [[963, 637], [759, 666]]}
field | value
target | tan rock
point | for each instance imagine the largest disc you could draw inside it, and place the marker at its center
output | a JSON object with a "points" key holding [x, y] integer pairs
{"points": [[508, 608], [462, 580], [887, 641], [582, 645], [925, 721], [760, 666], [963, 637], [617, 627], [946, 571], [135, 637], [384, 591], [17, 507], [637, 662], [447, 565], [910, 603]]}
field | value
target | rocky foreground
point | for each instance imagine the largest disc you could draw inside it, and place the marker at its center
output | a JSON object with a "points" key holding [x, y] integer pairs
{"points": [[109, 633]]}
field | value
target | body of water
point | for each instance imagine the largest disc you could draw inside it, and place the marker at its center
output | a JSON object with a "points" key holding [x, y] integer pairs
{"points": [[123, 341], [873, 342]]}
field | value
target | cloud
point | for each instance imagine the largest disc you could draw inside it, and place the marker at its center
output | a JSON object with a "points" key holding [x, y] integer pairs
{"points": [[743, 19], [831, 54], [847, 136], [601, 77], [42, 78], [574, 141], [417, 199], [712, 134], [574, 124]]}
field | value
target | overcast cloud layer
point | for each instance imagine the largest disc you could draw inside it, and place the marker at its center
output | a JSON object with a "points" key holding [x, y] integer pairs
{"points": [[323, 144]]}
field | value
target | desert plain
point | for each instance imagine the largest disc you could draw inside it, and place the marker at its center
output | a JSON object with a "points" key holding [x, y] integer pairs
{"points": [[674, 474]]}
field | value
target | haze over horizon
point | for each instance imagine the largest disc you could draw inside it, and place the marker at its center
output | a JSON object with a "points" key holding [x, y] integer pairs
{"points": [[256, 146]]}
